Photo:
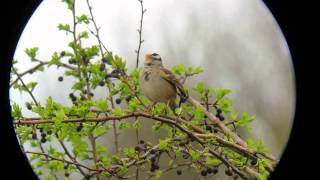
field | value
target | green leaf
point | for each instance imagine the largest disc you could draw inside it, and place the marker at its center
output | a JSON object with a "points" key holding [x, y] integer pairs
{"points": [[16, 111], [101, 149], [194, 155], [198, 114], [32, 52], [212, 162], [83, 18], [137, 124], [164, 144], [102, 104], [124, 125], [64, 27], [234, 115], [79, 85], [179, 69], [157, 125], [80, 147], [59, 117], [245, 120], [133, 104], [130, 152], [83, 34], [158, 175], [178, 111], [70, 3], [99, 131], [31, 85], [55, 59], [221, 92], [197, 70], [92, 51], [158, 109], [225, 105], [117, 111], [199, 87]]}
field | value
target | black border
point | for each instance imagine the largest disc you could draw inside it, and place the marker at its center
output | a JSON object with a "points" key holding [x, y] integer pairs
{"points": [[18, 12], [15, 14]]}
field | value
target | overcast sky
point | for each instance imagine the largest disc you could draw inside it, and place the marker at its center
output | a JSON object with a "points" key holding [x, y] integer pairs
{"points": [[238, 43]]}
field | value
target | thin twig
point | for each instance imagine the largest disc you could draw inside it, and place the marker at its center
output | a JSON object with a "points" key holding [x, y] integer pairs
{"points": [[97, 35], [62, 160], [140, 32]]}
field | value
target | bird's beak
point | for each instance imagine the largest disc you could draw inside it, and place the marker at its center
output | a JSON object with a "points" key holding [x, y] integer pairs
{"points": [[148, 59]]}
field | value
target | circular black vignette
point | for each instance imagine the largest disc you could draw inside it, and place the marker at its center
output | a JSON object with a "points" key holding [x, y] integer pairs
{"points": [[14, 16], [291, 16]]}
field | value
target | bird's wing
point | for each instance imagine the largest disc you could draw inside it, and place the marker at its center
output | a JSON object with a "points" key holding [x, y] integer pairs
{"points": [[169, 76]]}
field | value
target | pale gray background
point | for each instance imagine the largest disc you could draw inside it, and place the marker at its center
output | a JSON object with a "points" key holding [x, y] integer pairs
{"points": [[237, 42]]}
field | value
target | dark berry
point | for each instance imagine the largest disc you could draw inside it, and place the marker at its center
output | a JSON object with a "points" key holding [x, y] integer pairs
{"points": [[204, 172], [107, 76], [29, 107], [214, 170], [60, 78], [128, 98], [34, 135], [179, 172], [43, 134], [79, 128], [82, 98], [253, 162], [219, 116], [209, 170], [215, 130], [185, 156], [152, 169], [66, 174], [228, 172], [106, 60], [141, 141], [152, 151], [102, 83], [63, 53], [102, 67], [118, 100], [65, 167], [156, 166], [49, 132], [43, 140], [205, 116], [137, 148], [209, 128], [153, 159], [91, 94], [73, 99], [71, 95], [219, 111], [41, 130]]}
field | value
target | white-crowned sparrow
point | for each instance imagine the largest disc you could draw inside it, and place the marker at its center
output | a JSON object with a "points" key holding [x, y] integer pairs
{"points": [[158, 83]]}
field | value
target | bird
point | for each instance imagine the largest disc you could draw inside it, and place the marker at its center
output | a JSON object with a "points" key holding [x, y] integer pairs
{"points": [[159, 84]]}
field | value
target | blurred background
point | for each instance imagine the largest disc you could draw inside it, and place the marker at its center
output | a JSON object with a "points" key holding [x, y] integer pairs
{"points": [[237, 42]]}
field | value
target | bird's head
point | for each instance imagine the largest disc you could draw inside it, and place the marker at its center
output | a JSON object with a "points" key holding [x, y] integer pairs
{"points": [[153, 59]]}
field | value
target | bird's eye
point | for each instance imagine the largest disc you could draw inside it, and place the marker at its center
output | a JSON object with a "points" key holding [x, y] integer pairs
{"points": [[154, 54]]}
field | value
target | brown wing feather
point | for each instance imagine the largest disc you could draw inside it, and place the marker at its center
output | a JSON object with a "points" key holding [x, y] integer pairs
{"points": [[169, 76]]}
